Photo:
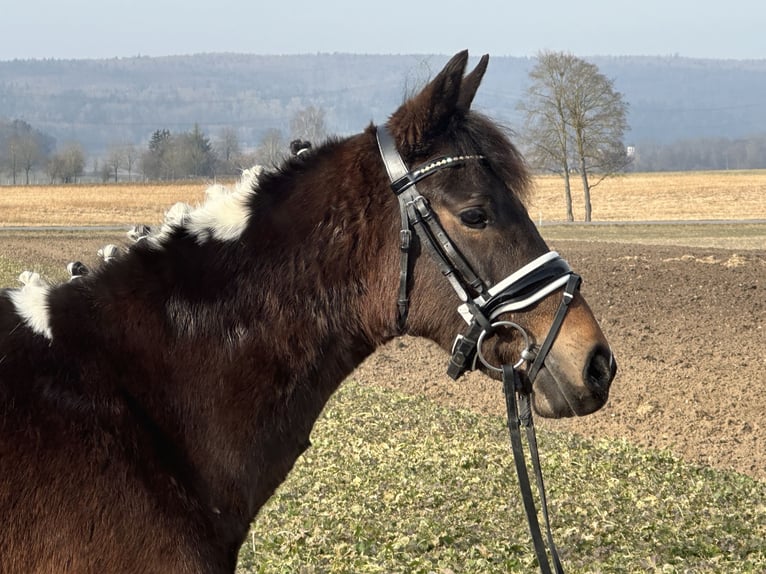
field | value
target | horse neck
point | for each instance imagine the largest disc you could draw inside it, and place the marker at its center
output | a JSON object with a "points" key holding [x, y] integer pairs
{"points": [[247, 339]]}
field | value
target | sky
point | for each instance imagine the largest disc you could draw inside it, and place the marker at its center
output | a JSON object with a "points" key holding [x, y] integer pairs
{"points": [[65, 29]]}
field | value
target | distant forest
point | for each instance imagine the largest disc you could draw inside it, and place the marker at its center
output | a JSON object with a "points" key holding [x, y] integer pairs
{"points": [[683, 113]]}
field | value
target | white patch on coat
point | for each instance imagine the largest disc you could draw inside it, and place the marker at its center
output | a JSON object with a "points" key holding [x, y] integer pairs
{"points": [[248, 181], [215, 191], [31, 303], [225, 214], [30, 278], [224, 218], [175, 217]]}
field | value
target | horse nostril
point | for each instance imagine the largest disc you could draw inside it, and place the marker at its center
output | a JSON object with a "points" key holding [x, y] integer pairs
{"points": [[600, 370]]}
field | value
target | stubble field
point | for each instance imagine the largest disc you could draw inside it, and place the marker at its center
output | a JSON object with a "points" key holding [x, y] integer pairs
{"points": [[670, 476], [684, 196], [725, 195]]}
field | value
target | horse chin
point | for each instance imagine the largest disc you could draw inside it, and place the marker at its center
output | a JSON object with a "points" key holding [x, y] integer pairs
{"points": [[555, 398]]}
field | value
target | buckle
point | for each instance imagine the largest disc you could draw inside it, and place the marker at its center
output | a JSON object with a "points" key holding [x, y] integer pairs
{"points": [[403, 183], [405, 239], [462, 357]]}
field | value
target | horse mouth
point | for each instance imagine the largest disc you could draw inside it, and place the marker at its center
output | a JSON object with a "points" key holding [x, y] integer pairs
{"points": [[554, 396]]}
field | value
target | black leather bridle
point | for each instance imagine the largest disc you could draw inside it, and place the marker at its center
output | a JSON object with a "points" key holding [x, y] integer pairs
{"points": [[481, 308], [481, 305]]}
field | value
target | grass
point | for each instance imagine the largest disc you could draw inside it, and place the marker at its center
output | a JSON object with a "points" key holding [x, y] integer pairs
{"points": [[123, 204], [47, 252], [10, 270], [631, 197], [395, 483], [658, 197]]}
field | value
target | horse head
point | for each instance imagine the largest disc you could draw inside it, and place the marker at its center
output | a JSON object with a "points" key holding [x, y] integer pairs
{"points": [[468, 211]]}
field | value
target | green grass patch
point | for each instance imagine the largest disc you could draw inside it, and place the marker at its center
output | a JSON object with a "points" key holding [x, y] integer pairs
{"points": [[48, 251], [395, 483], [10, 269]]}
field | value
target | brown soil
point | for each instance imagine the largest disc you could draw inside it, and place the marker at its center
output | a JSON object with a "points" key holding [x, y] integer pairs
{"points": [[688, 328]]}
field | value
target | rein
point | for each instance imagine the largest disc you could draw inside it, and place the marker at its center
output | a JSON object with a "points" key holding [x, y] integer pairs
{"points": [[481, 308]]}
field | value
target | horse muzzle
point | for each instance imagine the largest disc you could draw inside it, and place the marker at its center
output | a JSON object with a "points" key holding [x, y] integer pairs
{"points": [[559, 390]]}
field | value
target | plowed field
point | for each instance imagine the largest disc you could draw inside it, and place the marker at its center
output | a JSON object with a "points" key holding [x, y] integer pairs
{"points": [[688, 328]]}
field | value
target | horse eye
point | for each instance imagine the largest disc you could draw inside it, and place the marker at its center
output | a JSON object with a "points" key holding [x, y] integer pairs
{"points": [[475, 218]]}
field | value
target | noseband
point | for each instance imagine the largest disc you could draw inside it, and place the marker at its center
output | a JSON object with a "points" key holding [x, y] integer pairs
{"points": [[481, 309], [481, 305]]}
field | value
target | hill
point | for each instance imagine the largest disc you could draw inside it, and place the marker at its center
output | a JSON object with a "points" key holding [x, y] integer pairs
{"points": [[101, 102]]}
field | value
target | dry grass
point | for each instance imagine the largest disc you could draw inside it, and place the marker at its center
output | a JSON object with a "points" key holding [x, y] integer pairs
{"points": [[124, 204], [658, 197], [633, 197]]}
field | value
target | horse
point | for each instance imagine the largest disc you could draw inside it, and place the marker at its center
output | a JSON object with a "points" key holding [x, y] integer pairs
{"points": [[152, 406]]}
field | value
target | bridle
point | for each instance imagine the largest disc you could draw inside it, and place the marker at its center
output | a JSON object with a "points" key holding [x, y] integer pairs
{"points": [[481, 307]]}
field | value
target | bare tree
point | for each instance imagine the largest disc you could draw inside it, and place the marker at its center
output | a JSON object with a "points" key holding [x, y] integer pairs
{"points": [[272, 149], [23, 148], [68, 164], [12, 160], [32, 151], [130, 155], [545, 132], [308, 124], [227, 144], [113, 163], [417, 77], [574, 120], [228, 150]]}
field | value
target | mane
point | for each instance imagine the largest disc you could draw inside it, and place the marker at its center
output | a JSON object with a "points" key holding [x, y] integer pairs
{"points": [[227, 211], [277, 183]]}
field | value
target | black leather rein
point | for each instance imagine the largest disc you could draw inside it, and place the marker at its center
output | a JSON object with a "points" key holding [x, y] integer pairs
{"points": [[481, 308]]}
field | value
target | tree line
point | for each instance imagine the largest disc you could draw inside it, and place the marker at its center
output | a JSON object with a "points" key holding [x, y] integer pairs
{"points": [[26, 152], [702, 154]]}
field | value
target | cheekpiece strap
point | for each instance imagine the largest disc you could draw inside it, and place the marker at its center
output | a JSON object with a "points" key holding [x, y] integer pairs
{"points": [[416, 214]]}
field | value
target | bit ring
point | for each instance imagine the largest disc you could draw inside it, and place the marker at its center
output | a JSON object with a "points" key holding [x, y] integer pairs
{"points": [[524, 354]]}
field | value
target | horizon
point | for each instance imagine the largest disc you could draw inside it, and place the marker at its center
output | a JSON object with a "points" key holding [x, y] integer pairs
{"points": [[403, 54]]}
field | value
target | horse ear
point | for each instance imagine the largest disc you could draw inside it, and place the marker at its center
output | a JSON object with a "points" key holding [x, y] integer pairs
{"points": [[424, 115], [471, 84]]}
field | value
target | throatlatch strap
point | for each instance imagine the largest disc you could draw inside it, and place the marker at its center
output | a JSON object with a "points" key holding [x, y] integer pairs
{"points": [[512, 384]]}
